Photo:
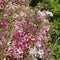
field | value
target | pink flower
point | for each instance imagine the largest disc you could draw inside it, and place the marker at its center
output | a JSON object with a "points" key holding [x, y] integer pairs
{"points": [[38, 44], [22, 14], [5, 15], [1, 6], [11, 6], [2, 24], [47, 36], [29, 56], [27, 36], [5, 32], [31, 15], [41, 13], [46, 53], [16, 35], [15, 15], [40, 37], [1, 1], [22, 0], [19, 56], [39, 19], [45, 29], [3, 39], [49, 50], [31, 26], [46, 21]]}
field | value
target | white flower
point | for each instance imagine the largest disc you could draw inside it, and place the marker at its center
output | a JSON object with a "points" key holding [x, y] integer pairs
{"points": [[8, 43], [40, 52], [50, 13], [15, 15], [5, 15], [46, 21], [19, 50], [38, 44], [4, 59], [32, 51], [22, 14], [41, 13]]}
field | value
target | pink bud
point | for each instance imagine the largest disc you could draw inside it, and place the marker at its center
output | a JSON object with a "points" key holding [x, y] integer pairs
{"points": [[39, 19], [2, 24], [1, 1], [49, 49], [1, 6], [22, 1]]}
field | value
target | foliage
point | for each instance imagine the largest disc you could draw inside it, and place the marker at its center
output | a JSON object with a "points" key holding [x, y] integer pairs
{"points": [[54, 6], [24, 32]]}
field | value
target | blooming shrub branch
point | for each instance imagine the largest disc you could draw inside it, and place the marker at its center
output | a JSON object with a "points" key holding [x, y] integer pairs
{"points": [[24, 31]]}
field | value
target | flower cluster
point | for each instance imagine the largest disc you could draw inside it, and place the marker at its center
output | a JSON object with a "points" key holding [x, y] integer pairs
{"points": [[24, 31], [1, 4]]}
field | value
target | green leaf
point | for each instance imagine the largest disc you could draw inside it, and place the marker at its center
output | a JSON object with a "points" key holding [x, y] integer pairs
{"points": [[0, 16], [1, 30], [33, 58], [10, 26]]}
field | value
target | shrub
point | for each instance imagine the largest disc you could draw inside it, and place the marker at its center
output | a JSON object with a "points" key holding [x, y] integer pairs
{"points": [[24, 32]]}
